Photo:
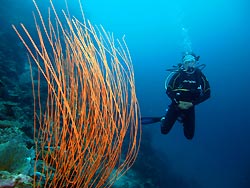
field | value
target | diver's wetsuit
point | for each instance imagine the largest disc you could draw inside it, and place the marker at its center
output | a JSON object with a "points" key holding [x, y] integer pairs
{"points": [[189, 88]]}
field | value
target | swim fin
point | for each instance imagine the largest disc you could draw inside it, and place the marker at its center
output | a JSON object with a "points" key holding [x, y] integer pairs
{"points": [[150, 120]]}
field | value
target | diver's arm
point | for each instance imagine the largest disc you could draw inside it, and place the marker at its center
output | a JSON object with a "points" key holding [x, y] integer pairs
{"points": [[205, 92], [171, 89]]}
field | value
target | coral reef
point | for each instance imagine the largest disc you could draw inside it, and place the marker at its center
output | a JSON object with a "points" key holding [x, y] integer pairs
{"points": [[82, 120]]}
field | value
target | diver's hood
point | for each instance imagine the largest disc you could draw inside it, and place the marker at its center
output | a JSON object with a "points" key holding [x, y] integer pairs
{"points": [[188, 57]]}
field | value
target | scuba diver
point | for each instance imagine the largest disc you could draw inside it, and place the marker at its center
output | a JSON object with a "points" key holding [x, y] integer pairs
{"points": [[186, 88]]}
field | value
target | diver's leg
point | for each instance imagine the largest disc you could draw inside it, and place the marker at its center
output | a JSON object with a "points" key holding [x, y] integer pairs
{"points": [[170, 118], [189, 123]]}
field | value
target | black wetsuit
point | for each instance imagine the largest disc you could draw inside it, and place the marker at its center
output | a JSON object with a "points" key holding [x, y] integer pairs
{"points": [[189, 88]]}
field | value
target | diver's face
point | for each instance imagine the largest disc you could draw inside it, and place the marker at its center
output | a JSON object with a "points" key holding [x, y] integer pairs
{"points": [[189, 65]]}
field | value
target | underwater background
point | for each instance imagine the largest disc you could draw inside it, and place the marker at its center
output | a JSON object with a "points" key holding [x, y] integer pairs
{"points": [[157, 33]]}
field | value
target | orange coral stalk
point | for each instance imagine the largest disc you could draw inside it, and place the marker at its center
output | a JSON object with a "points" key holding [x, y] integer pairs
{"points": [[91, 104]]}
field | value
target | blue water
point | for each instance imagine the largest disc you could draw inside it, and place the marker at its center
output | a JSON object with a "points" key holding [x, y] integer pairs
{"points": [[218, 31]]}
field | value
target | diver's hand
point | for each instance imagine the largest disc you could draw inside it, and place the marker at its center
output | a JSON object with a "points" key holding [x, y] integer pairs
{"points": [[183, 105]]}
